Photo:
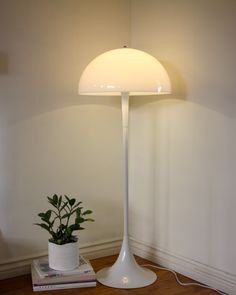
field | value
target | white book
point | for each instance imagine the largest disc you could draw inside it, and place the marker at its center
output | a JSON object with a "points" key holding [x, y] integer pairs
{"points": [[77, 278], [63, 286], [42, 267]]}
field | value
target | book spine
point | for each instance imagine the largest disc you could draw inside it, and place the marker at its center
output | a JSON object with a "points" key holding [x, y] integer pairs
{"points": [[69, 280], [63, 286]]}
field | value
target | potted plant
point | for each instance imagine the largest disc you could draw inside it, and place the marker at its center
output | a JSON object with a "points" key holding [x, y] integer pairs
{"points": [[63, 251]]}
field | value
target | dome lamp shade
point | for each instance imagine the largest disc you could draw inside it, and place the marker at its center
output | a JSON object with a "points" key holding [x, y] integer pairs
{"points": [[124, 70]]}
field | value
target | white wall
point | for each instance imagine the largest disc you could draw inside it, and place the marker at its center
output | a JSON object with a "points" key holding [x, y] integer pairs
{"points": [[182, 147], [182, 150], [52, 140]]}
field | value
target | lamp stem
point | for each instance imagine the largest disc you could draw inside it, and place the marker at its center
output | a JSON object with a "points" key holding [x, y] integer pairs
{"points": [[125, 273], [125, 127]]}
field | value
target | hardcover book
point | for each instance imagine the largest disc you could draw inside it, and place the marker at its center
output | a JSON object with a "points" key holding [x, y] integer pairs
{"points": [[45, 278], [43, 269]]}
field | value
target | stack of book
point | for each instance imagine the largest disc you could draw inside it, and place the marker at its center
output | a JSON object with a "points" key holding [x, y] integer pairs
{"points": [[44, 278]]}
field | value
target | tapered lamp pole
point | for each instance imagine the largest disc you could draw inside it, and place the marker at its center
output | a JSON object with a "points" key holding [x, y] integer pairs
{"points": [[125, 273]]}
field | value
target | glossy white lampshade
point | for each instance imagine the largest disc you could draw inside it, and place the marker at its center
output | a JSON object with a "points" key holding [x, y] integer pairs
{"points": [[124, 70]]}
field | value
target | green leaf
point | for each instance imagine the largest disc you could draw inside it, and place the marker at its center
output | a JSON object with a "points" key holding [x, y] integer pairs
{"points": [[79, 220], [87, 212], [48, 214], [89, 219], [45, 220], [68, 232], [55, 199], [59, 201], [71, 202], [74, 227], [51, 201], [41, 214]]}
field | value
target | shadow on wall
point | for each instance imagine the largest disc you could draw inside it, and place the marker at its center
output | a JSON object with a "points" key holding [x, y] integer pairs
{"points": [[21, 101], [21, 107], [147, 105], [3, 63], [59, 151], [4, 249], [179, 89], [15, 250], [211, 95], [9, 247], [182, 161], [108, 217]]}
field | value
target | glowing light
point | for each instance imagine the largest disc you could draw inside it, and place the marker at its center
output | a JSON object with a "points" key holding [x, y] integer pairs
{"points": [[125, 280]]}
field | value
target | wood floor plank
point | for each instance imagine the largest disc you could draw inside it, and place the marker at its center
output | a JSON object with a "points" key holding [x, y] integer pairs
{"points": [[165, 284]]}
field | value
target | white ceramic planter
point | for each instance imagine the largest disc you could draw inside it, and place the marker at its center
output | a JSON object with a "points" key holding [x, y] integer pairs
{"points": [[63, 257]]}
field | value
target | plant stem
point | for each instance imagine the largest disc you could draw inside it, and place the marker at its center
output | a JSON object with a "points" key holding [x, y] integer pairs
{"points": [[68, 218]]}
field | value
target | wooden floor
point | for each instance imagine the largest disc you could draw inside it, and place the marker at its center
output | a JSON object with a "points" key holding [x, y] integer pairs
{"points": [[165, 285]]}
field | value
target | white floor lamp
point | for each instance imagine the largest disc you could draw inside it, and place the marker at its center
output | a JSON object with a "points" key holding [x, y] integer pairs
{"points": [[125, 72]]}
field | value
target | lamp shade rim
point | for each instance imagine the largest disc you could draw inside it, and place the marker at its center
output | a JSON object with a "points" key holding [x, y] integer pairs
{"points": [[118, 93]]}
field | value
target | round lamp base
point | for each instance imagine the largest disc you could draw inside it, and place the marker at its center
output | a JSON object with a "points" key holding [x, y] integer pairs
{"points": [[137, 277]]}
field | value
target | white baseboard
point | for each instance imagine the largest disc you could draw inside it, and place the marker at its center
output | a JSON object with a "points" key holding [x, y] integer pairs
{"points": [[16, 267], [205, 274]]}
